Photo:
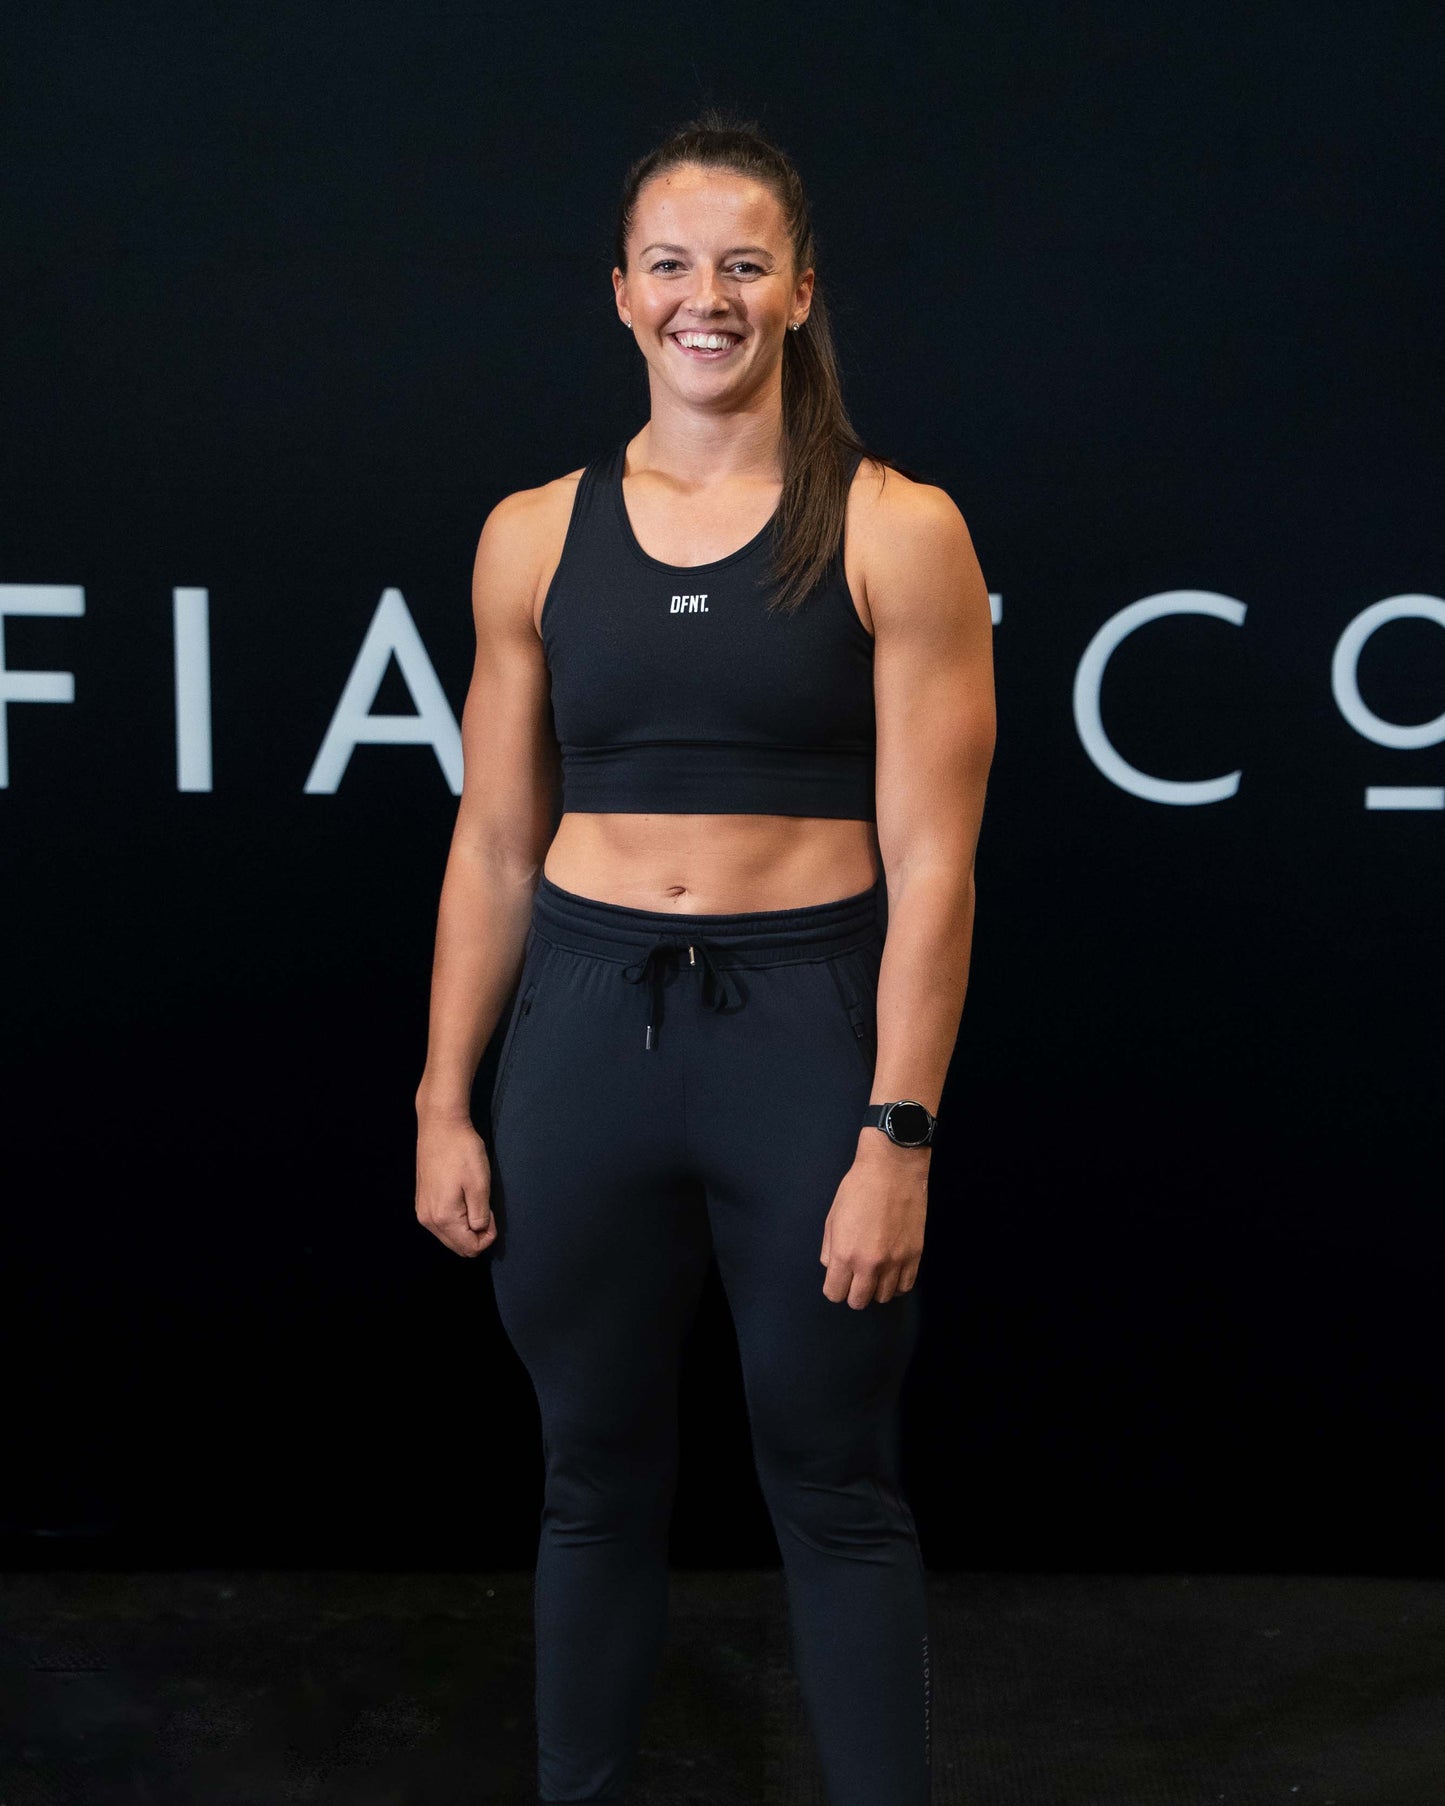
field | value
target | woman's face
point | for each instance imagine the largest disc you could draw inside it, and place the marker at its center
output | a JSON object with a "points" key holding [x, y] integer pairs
{"points": [[709, 259]]}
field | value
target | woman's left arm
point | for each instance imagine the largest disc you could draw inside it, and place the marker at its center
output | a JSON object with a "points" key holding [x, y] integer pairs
{"points": [[934, 696]]}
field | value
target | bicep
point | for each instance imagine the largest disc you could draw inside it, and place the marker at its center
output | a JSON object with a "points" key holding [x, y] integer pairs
{"points": [[933, 682], [508, 750]]}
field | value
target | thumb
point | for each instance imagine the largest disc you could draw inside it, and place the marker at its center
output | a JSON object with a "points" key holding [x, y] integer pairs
{"points": [[476, 1195]]}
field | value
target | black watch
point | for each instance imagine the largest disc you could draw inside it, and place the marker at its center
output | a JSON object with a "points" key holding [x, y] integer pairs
{"points": [[906, 1122]]}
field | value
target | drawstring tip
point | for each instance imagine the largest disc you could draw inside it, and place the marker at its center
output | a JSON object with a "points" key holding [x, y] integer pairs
{"points": [[648, 1044]]}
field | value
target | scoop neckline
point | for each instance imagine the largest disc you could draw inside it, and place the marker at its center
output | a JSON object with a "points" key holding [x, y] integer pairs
{"points": [[658, 564]]}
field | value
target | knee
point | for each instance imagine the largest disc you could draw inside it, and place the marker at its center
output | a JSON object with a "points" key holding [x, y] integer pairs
{"points": [[856, 1518], [594, 1495]]}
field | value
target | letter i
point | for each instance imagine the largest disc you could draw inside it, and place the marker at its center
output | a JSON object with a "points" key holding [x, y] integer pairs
{"points": [[191, 618]]}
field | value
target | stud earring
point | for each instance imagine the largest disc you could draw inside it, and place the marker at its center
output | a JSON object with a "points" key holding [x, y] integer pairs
{"points": [[796, 324], [628, 325]]}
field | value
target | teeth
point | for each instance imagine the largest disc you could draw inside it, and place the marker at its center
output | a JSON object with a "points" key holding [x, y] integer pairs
{"points": [[705, 341]]}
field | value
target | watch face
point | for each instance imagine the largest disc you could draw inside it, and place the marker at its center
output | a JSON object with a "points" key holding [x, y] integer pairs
{"points": [[908, 1122]]}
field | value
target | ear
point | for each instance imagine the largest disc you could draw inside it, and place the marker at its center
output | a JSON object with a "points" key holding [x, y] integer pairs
{"points": [[619, 295], [803, 293]]}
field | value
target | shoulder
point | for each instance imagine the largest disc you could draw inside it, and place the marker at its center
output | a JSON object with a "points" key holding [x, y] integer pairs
{"points": [[905, 532], [527, 516], [889, 508], [521, 543]]}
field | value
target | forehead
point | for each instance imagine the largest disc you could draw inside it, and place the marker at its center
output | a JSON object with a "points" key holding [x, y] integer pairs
{"points": [[692, 204]]}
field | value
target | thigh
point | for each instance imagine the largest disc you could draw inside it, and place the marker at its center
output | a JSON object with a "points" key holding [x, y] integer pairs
{"points": [[775, 1119], [602, 1236]]}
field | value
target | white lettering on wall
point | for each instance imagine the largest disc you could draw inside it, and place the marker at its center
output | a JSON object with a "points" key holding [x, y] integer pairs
{"points": [[1089, 679], [392, 633], [1344, 681], [33, 686], [1345, 672], [191, 629]]}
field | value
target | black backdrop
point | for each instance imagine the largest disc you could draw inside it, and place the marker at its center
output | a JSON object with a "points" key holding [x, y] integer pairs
{"points": [[294, 297]]}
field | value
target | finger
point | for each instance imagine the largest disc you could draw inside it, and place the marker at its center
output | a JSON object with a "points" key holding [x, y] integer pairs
{"points": [[860, 1293], [836, 1282], [449, 1225], [471, 1220], [443, 1228], [464, 1240]]}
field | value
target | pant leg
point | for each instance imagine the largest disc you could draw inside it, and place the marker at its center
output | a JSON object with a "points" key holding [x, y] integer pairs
{"points": [[600, 1255], [775, 1097]]}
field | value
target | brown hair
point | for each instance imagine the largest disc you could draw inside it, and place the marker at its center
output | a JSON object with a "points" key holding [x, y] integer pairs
{"points": [[818, 437]]}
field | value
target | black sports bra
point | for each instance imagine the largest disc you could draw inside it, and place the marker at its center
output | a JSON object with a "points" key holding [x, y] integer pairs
{"points": [[675, 690]]}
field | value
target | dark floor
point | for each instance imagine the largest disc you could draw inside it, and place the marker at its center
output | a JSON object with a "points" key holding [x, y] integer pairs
{"points": [[252, 1689]]}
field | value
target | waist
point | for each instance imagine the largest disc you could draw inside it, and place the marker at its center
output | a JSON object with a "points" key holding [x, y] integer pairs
{"points": [[754, 937], [706, 861], [719, 777]]}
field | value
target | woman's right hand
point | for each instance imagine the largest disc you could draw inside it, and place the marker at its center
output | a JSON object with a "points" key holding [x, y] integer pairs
{"points": [[454, 1184]]}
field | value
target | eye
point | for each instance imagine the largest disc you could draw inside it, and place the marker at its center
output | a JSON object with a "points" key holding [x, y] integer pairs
{"points": [[741, 264]]}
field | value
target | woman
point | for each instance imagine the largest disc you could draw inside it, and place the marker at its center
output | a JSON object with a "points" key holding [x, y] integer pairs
{"points": [[762, 662]]}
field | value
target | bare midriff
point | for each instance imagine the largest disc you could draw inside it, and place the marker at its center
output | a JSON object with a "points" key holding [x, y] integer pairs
{"points": [[711, 864]]}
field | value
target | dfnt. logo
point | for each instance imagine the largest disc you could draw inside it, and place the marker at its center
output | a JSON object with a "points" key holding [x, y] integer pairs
{"points": [[689, 605]]}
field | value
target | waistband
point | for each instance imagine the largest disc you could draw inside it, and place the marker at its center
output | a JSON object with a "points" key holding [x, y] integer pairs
{"points": [[750, 937]]}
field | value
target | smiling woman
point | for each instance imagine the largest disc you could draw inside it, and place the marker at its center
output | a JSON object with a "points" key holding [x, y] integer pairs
{"points": [[725, 262], [760, 661]]}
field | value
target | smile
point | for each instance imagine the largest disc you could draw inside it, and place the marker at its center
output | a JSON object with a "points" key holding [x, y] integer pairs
{"points": [[706, 347]]}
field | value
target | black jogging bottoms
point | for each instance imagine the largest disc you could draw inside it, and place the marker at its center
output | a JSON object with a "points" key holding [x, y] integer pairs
{"points": [[673, 1087]]}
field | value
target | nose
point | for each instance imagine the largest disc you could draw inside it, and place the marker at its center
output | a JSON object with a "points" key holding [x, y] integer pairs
{"points": [[706, 296]]}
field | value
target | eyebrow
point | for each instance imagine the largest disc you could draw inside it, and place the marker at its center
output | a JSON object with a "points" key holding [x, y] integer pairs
{"points": [[733, 252]]}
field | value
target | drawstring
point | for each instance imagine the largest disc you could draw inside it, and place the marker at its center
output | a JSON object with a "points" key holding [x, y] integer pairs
{"points": [[649, 967], [720, 992]]}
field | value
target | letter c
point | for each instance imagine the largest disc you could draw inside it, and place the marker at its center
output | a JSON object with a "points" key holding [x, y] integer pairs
{"points": [[1090, 677]]}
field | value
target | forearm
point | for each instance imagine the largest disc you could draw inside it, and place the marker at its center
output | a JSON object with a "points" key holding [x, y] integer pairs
{"points": [[482, 922], [922, 982]]}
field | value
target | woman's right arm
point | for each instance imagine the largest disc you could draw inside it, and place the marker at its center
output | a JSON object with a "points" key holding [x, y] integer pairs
{"points": [[505, 821]]}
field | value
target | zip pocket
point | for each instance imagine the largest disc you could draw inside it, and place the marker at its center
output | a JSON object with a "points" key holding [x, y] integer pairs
{"points": [[843, 972], [508, 1055]]}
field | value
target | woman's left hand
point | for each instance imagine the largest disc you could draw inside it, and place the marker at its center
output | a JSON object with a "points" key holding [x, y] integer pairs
{"points": [[873, 1236]]}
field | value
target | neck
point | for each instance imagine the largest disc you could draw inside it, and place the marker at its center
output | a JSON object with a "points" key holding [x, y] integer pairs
{"points": [[702, 447]]}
